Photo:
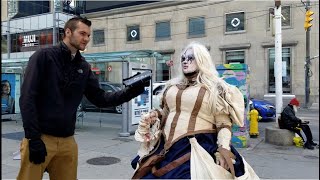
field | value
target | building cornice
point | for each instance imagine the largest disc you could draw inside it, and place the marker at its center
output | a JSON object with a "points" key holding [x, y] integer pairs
{"points": [[284, 43], [235, 46], [141, 7]]}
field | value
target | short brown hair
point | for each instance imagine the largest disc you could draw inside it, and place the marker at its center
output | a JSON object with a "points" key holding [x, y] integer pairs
{"points": [[72, 23]]}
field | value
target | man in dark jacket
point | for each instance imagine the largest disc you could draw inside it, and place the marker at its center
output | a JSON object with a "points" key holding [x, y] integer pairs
{"points": [[55, 81], [291, 122]]}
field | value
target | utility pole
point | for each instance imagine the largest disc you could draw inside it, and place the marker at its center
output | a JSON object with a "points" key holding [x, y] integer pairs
{"points": [[11, 11], [8, 38], [278, 58], [307, 63], [54, 33]]}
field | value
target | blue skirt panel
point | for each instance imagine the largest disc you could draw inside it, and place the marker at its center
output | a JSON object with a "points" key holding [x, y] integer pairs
{"points": [[208, 141]]}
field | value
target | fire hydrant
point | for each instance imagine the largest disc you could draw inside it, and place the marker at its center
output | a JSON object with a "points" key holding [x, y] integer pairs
{"points": [[254, 118]]}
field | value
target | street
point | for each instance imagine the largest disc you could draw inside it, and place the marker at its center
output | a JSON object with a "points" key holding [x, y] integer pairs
{"points": [[105, 155], [105, 119]]}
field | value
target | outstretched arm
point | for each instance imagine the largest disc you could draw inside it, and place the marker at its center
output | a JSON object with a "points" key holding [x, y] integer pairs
{"points": [[100, 98]]}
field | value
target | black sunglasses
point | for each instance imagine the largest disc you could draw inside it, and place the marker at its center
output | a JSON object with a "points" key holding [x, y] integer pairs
{"points": [[189, 59]]}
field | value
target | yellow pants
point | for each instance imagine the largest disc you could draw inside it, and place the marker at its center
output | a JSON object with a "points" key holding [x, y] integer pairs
{"points": [[61, 160]]}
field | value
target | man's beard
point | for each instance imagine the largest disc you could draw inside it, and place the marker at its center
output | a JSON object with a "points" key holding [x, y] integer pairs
{"points": [[295, 109], [75, 45]]}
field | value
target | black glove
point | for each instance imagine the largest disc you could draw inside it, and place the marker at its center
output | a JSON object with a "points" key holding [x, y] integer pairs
{"points": [[138, 80], [138, 87], [37, 151]]}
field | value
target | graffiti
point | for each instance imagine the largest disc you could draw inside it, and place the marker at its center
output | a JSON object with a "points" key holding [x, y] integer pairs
{"points": [[237, 75]]}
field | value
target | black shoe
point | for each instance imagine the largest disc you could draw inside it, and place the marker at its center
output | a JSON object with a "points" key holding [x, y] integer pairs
{"points": [[313, 143], [308, 146]]}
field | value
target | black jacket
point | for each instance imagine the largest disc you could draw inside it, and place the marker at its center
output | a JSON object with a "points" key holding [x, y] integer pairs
{"points": [[53, 87], [289, 118]]}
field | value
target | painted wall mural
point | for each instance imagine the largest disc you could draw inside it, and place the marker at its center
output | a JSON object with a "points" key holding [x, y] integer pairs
{"points": [[238, 75]]}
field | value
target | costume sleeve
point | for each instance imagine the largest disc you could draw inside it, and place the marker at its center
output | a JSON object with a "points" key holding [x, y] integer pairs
{"points": [[101, 99], [230, 108], [29, 94], [148, 132]]}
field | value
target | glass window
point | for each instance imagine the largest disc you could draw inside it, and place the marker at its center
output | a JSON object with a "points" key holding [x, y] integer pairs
{"points": [[158, 89], [4, 48], [235, 56], [163, 30], [196, 26], [163, 70], [286, 71], [133, 33], [107, 88], [17, 40], [98, 37], [235, 22], [285, 11]]}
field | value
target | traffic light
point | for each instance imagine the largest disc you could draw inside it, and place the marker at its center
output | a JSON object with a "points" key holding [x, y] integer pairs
{"points": [[308, 19]]}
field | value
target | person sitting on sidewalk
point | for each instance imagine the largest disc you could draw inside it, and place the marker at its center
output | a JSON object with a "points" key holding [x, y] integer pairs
{"points": [[292, 123]]}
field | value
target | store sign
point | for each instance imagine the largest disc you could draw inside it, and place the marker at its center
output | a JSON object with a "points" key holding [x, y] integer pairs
{"points": [[30, 41], [133, 33], [235, 22], [95, 70]]}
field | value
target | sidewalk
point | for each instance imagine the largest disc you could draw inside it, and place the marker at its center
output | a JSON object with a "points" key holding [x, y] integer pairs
{"points": [[269, 161]]}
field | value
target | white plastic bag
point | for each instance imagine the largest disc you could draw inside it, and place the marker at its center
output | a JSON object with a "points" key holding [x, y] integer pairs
{"points": [[203, 166]]}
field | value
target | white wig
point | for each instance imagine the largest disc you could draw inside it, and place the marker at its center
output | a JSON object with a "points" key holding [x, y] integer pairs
{"points": [[207, 76]]}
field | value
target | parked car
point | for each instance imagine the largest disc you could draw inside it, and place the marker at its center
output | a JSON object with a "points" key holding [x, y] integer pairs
{"points": [[157, 89], [108, 87], [266, 109]]}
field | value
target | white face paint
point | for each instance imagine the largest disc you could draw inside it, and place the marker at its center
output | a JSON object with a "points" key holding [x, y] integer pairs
{"points": [[188, 62], [295, 108]]}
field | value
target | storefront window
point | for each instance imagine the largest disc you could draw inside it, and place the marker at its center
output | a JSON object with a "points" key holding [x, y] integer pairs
{"points": [[4, 48], [163, 70], [107, 71], [286, 70], [32, 41]]}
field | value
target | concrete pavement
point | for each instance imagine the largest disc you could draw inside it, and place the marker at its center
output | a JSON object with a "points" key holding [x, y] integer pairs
{"points": [[95, 141]]}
